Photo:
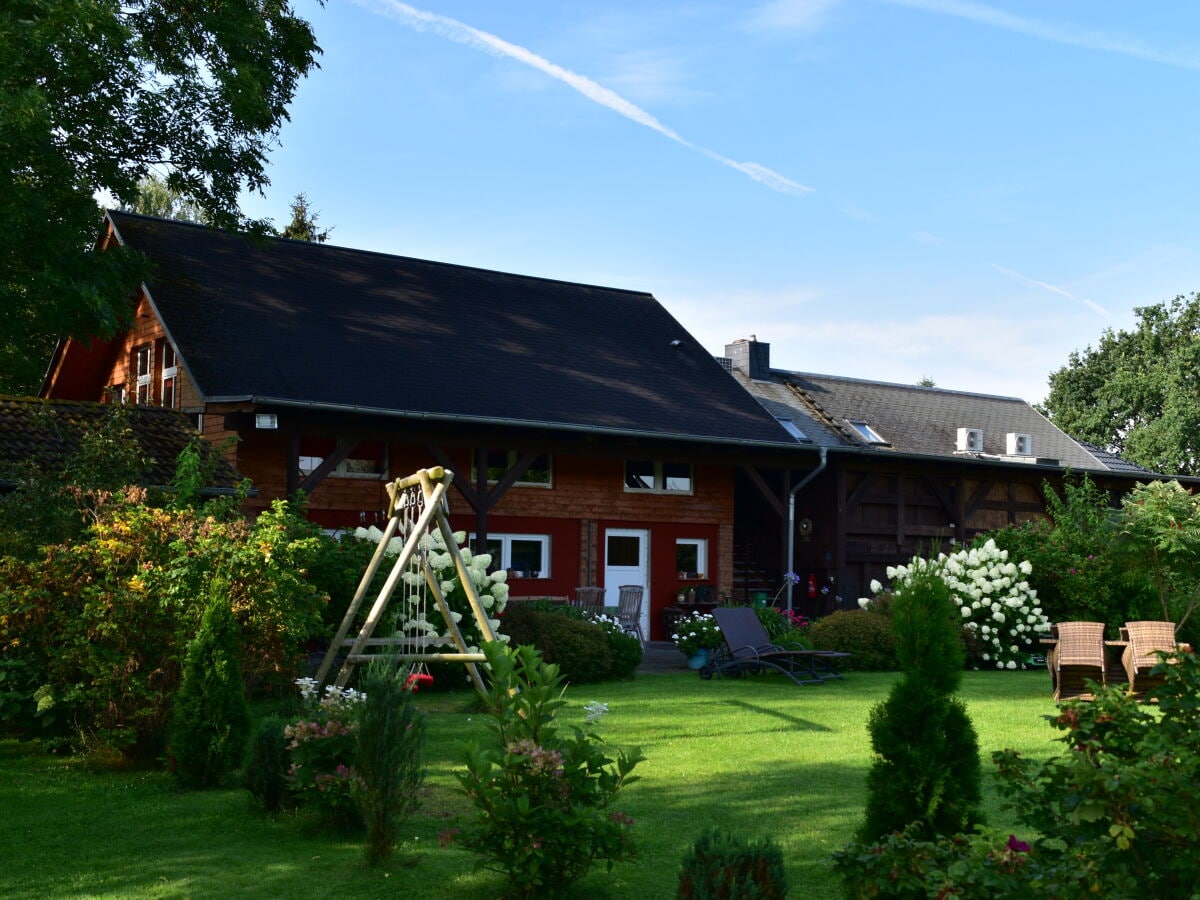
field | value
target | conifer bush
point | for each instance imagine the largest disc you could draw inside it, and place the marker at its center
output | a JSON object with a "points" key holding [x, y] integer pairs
{"points": [[387, 755], [210, 719], [926, 767], [266, 775]]}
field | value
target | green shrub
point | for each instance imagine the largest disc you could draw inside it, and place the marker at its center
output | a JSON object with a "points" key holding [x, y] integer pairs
{"points": [[101, 626], [626, 650], [266, 775], [210, 719], [580, 648], [387, 756], [926, 768], [544, 800], [1112, 814], [867, 635], [724, 866]]}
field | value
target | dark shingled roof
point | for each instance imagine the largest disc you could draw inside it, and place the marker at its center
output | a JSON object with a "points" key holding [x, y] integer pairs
{"points": [[47, 432], [921, 421], [304, 323]]}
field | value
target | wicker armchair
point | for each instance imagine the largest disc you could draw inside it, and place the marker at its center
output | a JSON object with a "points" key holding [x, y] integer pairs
{"points": [[1141, 653], [1076, 659]]}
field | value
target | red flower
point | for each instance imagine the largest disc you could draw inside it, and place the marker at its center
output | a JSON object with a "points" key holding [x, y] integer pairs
{"points": [[416, 679]]}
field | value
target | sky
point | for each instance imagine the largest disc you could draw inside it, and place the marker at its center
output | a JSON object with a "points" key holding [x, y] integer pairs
{"points": [[894, 190]]}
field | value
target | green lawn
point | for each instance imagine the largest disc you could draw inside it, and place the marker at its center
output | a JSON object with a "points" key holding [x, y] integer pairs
{"points": [[758, 755]]}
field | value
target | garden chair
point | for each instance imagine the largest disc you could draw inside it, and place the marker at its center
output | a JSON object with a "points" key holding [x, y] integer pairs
{"points": [[1077, 659], [1140, 655], [749, 649], [589, 599], [629, 610]]}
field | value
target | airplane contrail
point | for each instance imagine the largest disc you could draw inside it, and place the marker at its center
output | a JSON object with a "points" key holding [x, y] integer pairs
{"points": [[465, 34], [1054, 289]]}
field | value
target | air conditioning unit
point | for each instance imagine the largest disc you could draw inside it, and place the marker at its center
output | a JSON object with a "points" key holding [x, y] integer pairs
{"points": [[970, 440], [1019, 444]]}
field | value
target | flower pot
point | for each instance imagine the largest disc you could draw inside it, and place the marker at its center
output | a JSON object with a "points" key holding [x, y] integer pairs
{"points": [[699, 659]]}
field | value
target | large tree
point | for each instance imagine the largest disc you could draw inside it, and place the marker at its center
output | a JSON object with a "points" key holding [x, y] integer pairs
{"points": [[94, 96], [1138, 392]]}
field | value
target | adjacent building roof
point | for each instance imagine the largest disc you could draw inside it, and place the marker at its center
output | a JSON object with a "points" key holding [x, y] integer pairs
{"points": [[282, 322], [856, 415], [46, 433]]}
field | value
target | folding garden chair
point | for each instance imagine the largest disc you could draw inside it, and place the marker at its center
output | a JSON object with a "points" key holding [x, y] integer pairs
{"points": [[749, 649]]}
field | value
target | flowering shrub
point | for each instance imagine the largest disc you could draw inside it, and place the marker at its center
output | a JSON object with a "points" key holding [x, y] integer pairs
{"points": [[998, 607], [544, 799], [413, 615], [322, 751], [697, 632]]}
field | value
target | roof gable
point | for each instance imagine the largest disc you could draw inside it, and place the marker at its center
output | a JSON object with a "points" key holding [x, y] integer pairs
{"points": [[304, 323]]}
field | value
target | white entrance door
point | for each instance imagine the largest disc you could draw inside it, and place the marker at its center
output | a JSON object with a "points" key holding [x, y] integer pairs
{"points": [[627, 561]]}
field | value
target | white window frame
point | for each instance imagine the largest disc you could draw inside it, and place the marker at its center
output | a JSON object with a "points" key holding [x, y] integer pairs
{"points": [[170, 373], [701, 545], [867, 433], [144, 375], [506, 542], [660, 479]]}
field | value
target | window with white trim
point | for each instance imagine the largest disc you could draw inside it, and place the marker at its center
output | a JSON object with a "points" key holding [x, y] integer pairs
{"points": [[652, 476], [691, 557], [867, 433], [524, 555], [170, 376], [539, 474], [143, 358]]}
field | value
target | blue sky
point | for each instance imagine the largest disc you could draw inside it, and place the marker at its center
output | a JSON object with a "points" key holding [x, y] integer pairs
{"points": [[885, 189]]}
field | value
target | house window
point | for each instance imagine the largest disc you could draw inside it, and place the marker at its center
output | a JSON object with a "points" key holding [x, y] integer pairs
{"points": [[539, 474], [368, 460], [691, 557], [790, 427], [524, 555], [114, 394], [142, 361], [658, 477], [867, 433], [170, 376]]}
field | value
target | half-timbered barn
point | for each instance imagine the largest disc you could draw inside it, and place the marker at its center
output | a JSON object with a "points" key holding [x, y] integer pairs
{"points": [[593, 440], [901, 470]]}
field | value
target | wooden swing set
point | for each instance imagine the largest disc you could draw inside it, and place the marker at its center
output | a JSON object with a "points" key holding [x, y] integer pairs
{"points": [[417, 510]]}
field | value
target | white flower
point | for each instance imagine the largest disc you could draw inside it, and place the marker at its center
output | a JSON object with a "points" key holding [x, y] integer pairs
{"points": [[876, 587], [1011, 664], [966, 611], [863, 602], [1026, 567]]}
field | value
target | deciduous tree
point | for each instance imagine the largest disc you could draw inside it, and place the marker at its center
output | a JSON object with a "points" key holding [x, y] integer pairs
{"points": [[1138, 392], [94, 96]]}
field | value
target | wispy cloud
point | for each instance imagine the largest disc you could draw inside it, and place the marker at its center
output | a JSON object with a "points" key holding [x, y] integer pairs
{"points": [[1054, 289], [809, 15], [462, 33], [1073, 35], [793, 15]]}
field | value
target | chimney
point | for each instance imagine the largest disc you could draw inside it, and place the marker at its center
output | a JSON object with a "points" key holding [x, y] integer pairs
{"points": [[750, 357]]}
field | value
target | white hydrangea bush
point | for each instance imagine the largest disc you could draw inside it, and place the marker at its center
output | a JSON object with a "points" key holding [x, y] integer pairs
{"points": [[993, 596], [418, 615]]}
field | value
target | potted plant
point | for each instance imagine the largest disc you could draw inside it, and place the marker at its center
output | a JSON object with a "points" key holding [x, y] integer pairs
{"points": [[695, 636]]}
